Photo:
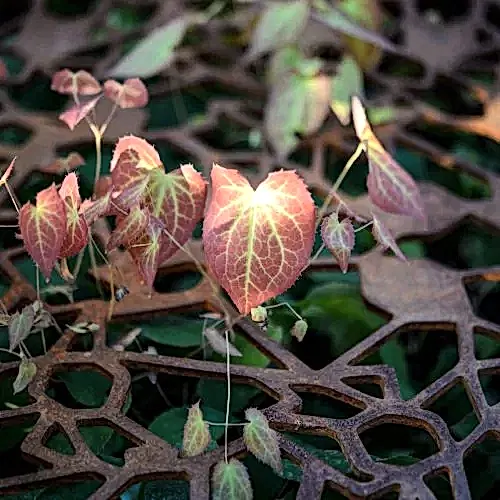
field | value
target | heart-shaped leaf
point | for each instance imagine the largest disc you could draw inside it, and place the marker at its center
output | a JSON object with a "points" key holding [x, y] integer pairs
{"points": [[280, 24], [338, 237], [43, 228], [69, 189], [154, 53], [196, 434], [257, 242], [129, 228], [81, 82], [390, 187], [383, 236], [148, 156], [131, 94], [230, 481], [261, 440], [74, 115]]}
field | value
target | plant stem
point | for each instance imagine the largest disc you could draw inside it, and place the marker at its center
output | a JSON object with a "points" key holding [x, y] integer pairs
{"points": [[12, 197], [223, 423], [11, 352], [228, 400], [316, 255], [98, 150], [286, 304], [338, 182], [364, 226]]}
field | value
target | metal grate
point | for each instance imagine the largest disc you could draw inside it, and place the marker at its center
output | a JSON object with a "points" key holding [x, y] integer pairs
{"points": [[419, 293]]}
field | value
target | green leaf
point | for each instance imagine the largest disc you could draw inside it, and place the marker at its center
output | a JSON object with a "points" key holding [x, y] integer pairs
{"points": [[20, 325], [27, 371], [177, 331], [299, 330], [230, 481], [347, 82], [393, 354], [88, 388], [154, 53], [170, 425], [196, 433], [261, 440], [281, 24], [296, 105]]}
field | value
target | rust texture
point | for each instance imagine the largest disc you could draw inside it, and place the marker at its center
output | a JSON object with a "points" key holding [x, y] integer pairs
{"points": [[421, 292]]}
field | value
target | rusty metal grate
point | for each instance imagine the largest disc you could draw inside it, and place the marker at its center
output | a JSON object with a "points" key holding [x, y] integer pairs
{"points": [[422, 292]]}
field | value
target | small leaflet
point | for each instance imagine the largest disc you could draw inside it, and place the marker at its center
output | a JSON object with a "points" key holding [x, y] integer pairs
{"points": [[20, 325], [26, 373], [299, 329], [230, 481], [196, 432], [218, 342], [383, 236], [339, 238]]}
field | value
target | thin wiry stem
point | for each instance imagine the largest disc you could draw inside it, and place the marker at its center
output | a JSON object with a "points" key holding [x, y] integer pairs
{"points": [[228, 399]]}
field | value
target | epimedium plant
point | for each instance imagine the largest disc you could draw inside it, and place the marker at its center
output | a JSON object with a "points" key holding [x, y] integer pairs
{"points": [[256, 242]]}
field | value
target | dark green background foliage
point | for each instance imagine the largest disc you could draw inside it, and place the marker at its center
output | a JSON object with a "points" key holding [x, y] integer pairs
{"points": [[331, 303]]}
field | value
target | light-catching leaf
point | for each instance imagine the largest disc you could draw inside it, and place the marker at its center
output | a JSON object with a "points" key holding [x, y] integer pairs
{"points": [[218, 342], [230, 481], [74, 115], [148, 156], [61, 165], [383, 236], [280, 24], [338, 237], [131, 94], [196, 434], [20, 325], [93, 210], [81, 83], [257, 242], [43, 228], [261, 440], [347, 82], [297, 105], [390, 187], [26, 373], [154, 53], [258, 314]]}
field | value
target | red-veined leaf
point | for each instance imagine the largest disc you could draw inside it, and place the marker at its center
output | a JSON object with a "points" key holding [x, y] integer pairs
{"points": [[69, 189], [178, 200], [131, 94], [384, 237], [338, 237], [196, 436], [129, 180], [43, 228], [72, 161], [146, 251], [130, 228], [261, 440], [95, 209], [7, 173], [149, 157], [77, 231], [230, 481], [81, 82], [74, 115], [390, 187], [257, 242]]}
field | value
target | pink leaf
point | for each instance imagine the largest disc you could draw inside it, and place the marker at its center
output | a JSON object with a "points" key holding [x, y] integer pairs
{"points": [[383, 236], [146, 251], [129, 228], [81, 82], [178, 200], [257, 242], [148, 155], [95, 209], [338, 237], [69, 189], [128, 179], [72, 161], [74, 115], [132, 94], [77, 234], [7, 173], [390, 187], [43, 228]]}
